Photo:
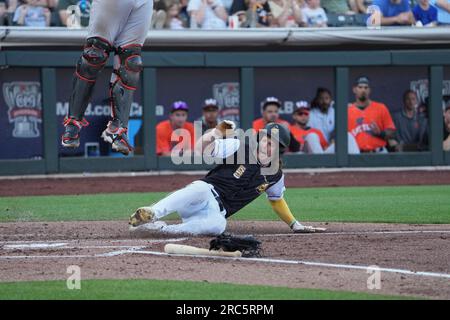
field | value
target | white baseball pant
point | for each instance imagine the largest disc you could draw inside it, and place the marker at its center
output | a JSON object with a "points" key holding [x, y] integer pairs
{"points": [[197, 207], [313, 145]]}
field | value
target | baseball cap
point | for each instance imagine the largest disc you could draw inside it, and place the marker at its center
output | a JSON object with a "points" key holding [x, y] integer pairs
{"points": [[362, 80], [447, 107], [210, 104], [301, 105], [179, 105], [271, 100]]}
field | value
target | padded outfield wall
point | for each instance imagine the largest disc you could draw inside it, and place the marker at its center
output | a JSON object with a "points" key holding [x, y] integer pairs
{"points": [[237, 67]]}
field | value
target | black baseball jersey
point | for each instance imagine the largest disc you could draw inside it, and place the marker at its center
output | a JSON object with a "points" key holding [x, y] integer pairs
{"points": [[239, 184]]}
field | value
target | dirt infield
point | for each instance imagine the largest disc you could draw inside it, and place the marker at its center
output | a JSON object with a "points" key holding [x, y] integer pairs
{"points": [[414, 260], [92, 185]]}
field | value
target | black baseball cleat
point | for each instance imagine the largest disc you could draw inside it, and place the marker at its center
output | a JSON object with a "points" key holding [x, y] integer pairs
{"points": [[71, 136], [118, 138]]}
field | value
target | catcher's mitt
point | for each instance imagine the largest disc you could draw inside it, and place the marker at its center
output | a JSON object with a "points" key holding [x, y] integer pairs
{"points": [[248, 245]]}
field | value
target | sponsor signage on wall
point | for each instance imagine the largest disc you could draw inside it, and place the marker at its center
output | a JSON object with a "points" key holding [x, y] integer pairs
{"points": [[21, 100]]}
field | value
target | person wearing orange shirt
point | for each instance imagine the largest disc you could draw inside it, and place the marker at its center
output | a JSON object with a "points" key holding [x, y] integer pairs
{"points": [[176, 131], [368, 121], [270, 113], [311, 140]]}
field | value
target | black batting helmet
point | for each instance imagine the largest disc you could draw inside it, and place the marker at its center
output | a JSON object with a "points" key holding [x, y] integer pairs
{"points": [[284, 135]]}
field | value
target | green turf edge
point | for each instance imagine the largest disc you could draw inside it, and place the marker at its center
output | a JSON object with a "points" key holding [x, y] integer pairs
{"points": [[406, 204], [135, 289]]}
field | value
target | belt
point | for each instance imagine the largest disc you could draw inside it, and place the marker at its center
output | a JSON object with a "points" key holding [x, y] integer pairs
{"points": [[219, 201]]}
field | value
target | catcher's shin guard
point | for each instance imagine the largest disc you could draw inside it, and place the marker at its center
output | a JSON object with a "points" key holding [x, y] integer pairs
{"points": [[126, 82], [94, 57]]}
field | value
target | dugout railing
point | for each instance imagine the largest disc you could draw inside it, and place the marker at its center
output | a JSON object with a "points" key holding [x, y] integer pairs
{"points": [[246, 60]]}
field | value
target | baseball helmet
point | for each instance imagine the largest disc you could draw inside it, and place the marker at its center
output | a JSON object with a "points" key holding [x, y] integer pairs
{"points": [[284, 135]]}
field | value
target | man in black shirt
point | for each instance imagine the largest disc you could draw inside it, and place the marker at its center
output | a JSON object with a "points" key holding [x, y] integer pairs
{"points": [[246, 171]]}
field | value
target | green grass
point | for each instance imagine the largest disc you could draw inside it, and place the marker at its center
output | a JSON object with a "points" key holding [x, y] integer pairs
{"points": [[168, 290], [411, 204]]}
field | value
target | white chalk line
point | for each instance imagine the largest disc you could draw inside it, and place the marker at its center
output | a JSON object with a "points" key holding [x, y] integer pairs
{"points": [[409, 232], [17, 247], [128, 249], [307, 263], [83, 256], [34, 246], [137, 250], [95, 240]]}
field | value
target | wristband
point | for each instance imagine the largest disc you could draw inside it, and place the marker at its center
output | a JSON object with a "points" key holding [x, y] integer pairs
{"points": [[383, 134]]}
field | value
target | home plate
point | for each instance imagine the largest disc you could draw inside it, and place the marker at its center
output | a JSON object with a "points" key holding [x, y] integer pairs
{"points": [[31, 246]]}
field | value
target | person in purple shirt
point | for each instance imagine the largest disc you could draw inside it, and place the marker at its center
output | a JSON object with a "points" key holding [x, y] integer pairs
{"points": [[425, 14], [394, 12]]}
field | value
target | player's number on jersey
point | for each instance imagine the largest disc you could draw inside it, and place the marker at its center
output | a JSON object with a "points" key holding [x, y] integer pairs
{"points": [[73, 17]]}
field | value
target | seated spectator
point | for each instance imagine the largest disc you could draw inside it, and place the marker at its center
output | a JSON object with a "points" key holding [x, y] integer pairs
{"points": [[2, 12], [159, 17], [84, 7], [425, 14], [51, 4], [322, 113], [31, 14], [336, 6], [322, 117], [286, 13], [368, 121], [252, 13], [167, 139], [311, 140], [314, 15], [7, 9], [210, 114], [227, 4], [208, 14], [446, 144], [173, 20], [443, 8], [184, 14], [359, 6], [394, 12], [411, 126], [270, 113]]}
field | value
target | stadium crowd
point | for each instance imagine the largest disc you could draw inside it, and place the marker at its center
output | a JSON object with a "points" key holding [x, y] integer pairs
{"points": [[219, 14], [371, 127]]}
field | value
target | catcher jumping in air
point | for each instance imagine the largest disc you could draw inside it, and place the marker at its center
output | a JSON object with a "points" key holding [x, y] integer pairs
{"points": [[119, 27], [205, 204]]}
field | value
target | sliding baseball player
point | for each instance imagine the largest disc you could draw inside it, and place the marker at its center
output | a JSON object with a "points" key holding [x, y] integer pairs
{"points": [[118, 26], [244, 175]]}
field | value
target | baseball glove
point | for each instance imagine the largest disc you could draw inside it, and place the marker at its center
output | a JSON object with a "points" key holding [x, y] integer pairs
{"points": [[248, 245], [226, 127]]}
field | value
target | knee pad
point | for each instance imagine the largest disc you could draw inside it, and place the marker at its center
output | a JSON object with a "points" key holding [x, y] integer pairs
{"points": [[130, 65], [94, 57]]}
